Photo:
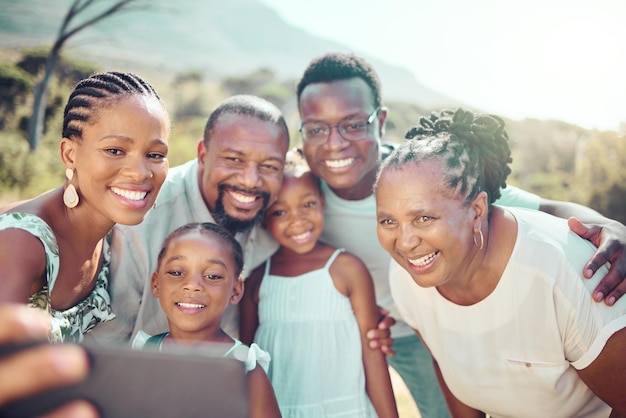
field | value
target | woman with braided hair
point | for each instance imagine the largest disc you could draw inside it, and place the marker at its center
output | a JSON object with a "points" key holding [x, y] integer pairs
{"points": [[114, 149], [495, 293]]}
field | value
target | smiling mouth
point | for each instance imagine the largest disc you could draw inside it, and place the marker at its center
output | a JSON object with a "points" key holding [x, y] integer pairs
{"points": [[303, 237], [344, 162], [243, 198], [422, 261], [190, 305], [129, 194]]}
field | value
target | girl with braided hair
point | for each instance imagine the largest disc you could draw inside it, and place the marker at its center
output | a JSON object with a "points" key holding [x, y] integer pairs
{"points": [[495, 293], [114, 148]]}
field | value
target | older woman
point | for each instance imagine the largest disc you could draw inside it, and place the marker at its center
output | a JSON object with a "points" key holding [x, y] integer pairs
{"points": [[496, 294]]}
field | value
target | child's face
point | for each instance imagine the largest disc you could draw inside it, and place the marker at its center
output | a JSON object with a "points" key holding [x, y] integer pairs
{"points": [[195, 282], [296, 219]]}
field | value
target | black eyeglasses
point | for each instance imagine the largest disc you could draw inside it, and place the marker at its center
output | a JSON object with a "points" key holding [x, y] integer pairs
{"points": [[317, 133]]}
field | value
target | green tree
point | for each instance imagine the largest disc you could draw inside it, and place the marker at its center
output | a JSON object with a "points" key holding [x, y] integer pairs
{"points": [[15, 84], [69, 28]]}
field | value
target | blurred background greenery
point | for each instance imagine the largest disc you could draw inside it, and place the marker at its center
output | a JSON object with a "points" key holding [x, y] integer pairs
{"points": [[554, 159], [205, 57]]}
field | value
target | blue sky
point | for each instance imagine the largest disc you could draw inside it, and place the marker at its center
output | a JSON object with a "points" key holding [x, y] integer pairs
{"points": [[561, 59]]}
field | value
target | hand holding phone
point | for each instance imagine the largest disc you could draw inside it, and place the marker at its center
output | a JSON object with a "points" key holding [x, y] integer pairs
{"points": [[126, 383]]}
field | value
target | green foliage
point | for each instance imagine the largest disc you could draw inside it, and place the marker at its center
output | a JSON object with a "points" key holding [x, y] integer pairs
{"points": [[544, 146], [602, 173], [551, 158], [249, 84], [276, 93], [401, 116], [556, 185], [15, 85], [195, 77], [71, 71], [610, 201], [184, 139], [33, 60], [68, 70], [25, 174], [189, 97]]}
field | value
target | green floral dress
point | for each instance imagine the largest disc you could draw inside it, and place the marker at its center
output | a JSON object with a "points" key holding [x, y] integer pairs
{"points": [[73, 323]]}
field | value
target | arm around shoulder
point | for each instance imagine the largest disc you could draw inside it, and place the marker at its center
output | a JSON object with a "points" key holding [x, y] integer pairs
{"points": [[606, 234]]}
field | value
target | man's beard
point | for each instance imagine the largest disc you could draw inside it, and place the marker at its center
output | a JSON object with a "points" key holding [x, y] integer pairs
{"points": [[237, 225]]}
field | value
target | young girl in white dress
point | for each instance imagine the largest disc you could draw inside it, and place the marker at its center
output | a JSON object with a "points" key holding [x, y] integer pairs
{"points": [[310, 306], [198, 275]]}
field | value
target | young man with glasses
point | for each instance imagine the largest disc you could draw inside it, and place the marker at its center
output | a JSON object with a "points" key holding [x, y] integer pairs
{"points": [[343, 121]]}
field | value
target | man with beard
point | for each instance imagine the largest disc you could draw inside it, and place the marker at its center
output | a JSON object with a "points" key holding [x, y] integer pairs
{"points": [[236, 176]]}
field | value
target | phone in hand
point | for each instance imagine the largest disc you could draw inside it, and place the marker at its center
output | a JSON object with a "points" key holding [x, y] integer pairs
{"points": [[128, 383]]}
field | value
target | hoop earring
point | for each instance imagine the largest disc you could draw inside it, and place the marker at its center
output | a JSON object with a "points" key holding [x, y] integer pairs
{"points": [[70, 195], [482, 239]]}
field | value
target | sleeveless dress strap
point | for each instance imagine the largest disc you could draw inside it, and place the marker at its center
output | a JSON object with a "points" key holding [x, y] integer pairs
{"points": [[332, 257], [267, 267], [156, 341]]}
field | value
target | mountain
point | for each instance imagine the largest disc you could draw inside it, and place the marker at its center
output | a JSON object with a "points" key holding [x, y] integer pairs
{"points": [[213, 37]]}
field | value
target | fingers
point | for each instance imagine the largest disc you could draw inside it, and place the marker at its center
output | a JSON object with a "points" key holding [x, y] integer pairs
{"points": [[386, 323], [39, 368], [388, 351], [380, 339], [578, 227], [611, 244], [384, 320], [19, 323], [382, 344], [77, 409], [616, 294], [597, 260], [612, 286], [43, 367]]}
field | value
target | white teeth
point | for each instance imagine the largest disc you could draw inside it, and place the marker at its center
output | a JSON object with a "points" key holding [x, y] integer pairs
{"points": [[242, 198], [301, 237], [190, 305], [339, 163], [128, 194], [422, 261]]}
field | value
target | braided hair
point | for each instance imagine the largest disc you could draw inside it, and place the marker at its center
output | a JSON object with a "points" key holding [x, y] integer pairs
{"points": [[474, 151], [209, 229], [98, 91], [337, 66]]}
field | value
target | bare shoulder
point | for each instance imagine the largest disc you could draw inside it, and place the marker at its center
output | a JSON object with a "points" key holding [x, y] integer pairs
{"points": [[256, 275], [19, 244], [22, 263], [253, 281], [349, 272], [349, 263]]}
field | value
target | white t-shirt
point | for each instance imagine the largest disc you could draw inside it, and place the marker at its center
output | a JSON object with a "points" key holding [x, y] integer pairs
{"points": [[351, 224], [515, 352]]}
